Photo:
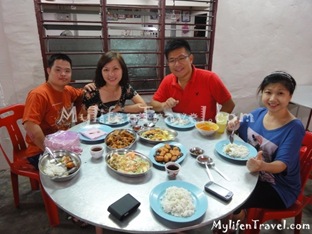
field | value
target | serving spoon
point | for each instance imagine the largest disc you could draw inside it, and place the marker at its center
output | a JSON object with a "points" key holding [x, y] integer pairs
{"points": [[211, 164], [53, 160], [203, 159]]}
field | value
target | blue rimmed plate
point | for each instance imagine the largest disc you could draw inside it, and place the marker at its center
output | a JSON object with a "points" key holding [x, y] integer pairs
{"points": [[156, 147], [221, 144], [198, 197], [114, 119], [180, 121], [98, 140]]}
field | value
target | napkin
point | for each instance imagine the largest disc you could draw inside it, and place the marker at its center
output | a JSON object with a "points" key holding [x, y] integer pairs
{"points": [[93, 133]]}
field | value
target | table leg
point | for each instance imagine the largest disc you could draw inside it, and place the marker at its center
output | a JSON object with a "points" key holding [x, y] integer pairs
{"points": [[98, 230]]}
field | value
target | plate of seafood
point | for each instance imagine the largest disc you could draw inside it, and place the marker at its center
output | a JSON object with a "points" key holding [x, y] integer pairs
{"points": [[162, 153]]}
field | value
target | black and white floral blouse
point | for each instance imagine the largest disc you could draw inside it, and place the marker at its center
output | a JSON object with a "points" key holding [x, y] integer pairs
{"points": [[91, 98]]}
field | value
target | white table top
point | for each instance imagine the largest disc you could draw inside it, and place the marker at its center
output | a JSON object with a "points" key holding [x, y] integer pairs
{"points": [[88, 195], [303, 96]]}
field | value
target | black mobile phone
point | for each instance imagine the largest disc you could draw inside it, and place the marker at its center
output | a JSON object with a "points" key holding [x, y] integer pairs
{"points": [[218, 191]]}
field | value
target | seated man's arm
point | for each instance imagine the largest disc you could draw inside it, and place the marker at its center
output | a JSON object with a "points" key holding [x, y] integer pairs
{"points": [[228, 106], [157, 106], [35, 133], [161, 106]]}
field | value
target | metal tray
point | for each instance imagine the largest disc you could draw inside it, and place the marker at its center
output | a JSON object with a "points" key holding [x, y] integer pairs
{"points": [[124, 152], [44, 161], [119, 132]]}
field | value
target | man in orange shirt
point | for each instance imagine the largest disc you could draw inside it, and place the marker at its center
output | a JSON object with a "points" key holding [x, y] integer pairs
{"points": [[190, 90], [52, 106]]}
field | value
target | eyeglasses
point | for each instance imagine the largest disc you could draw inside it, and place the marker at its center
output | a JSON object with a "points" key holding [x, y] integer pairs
{"points": [[179, 59]]}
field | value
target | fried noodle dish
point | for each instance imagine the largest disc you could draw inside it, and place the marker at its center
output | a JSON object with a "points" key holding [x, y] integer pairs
{"points": [[157, 135], [129, 163]]}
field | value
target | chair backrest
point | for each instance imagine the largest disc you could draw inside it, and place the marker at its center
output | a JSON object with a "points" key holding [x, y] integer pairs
{"points": [[305, 170], [9, 118], [307, 140]]}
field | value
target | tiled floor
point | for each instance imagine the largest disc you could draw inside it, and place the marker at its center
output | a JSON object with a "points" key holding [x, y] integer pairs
{"points": [[31, 216]]}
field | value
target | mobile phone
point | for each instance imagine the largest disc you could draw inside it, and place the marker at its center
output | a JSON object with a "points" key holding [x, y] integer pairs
{"points": [[218, 191]]}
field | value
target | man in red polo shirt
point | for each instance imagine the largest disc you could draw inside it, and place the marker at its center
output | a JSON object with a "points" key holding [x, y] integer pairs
{"points": [[190, 90]]}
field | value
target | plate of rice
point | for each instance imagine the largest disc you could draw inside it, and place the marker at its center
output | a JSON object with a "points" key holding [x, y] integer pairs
{"points": [[239, 150], [178, 201]]}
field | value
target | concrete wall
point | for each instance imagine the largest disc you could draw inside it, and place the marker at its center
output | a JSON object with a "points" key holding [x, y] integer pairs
{"points": [[253, 38]]}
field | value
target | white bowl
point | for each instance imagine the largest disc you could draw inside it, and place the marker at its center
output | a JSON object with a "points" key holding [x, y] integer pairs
{"points": [[96, 151], [206, 128]]}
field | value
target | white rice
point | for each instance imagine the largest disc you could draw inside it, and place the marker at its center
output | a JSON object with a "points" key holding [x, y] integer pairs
{"points": [[52, 169], [178, 202], [235, 150]]}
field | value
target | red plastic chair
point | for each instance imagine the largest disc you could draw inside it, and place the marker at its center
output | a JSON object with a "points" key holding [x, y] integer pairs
{"points": [[307, 142], [257, 216], [10, 117]]}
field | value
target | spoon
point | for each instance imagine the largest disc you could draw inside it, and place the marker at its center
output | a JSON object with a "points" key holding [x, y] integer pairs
{"points": [[203, 159], [211, 164], [53, 160], [231, 137]]}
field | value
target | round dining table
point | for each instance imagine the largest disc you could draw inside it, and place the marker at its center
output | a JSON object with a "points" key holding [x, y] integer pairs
{"points": [[88, 195]]}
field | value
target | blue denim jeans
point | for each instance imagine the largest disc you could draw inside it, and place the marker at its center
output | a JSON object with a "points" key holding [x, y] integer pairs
{"points": [[34, 160]]}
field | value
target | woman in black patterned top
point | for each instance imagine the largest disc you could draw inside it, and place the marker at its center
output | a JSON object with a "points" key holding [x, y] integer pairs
{"points": [[112, 88]]}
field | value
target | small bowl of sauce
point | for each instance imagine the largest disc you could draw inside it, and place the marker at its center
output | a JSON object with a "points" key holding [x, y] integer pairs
{"points": [[136, 128], [172, 169], [195, 151]]}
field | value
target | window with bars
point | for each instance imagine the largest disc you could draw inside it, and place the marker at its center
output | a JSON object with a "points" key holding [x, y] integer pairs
{"points": [[138, 32]]}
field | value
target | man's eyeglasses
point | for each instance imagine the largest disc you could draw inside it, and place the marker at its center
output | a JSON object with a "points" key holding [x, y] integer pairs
{"points": [[179, 59]]}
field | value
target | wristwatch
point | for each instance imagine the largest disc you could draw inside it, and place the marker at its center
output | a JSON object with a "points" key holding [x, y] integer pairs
{"points": [[122, 108]]}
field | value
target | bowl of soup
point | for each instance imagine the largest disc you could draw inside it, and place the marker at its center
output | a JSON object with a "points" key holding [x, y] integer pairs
{"points": [[206, 128]]}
